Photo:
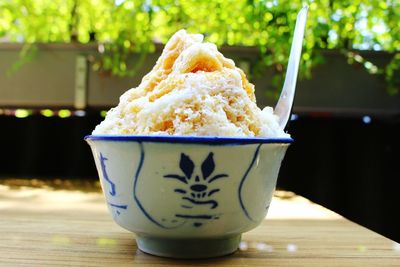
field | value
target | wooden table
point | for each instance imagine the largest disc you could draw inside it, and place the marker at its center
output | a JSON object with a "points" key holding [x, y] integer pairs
{"points": [[46, 227]]}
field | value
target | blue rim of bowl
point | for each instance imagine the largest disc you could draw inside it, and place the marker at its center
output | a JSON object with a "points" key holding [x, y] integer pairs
{"points": [[190, 139]]}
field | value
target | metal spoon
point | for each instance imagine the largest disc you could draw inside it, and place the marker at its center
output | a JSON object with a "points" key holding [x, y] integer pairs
{"points": [[284, 106]]}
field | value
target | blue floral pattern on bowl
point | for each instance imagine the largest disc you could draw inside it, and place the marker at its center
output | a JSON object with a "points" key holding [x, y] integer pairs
{"points": [[117, 208], [195, 189]]}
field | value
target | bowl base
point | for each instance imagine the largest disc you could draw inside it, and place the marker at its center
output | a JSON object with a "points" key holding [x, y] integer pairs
{"points": [[188, 248]]}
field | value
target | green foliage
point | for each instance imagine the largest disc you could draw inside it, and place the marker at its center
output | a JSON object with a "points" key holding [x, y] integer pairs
{"points": [[124, 27]]}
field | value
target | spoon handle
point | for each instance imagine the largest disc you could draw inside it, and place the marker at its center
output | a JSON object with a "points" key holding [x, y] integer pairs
{"points": [[284, 106]]}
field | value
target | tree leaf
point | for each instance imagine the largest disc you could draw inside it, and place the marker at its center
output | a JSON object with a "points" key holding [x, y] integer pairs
{"points": [[186, 165], [175, 176], [208, 166]]}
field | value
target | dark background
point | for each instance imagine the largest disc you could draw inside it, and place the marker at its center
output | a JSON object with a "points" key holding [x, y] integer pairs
{"points": [[342, 163]]}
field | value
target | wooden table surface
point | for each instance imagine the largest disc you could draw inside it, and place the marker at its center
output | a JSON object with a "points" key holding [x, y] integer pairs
{"points": [[46, 227]]}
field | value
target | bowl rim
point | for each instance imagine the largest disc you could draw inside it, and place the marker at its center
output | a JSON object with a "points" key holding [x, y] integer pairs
{"points": [[187, 139]]}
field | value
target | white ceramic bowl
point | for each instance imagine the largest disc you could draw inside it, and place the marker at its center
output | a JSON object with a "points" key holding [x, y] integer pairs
{"points": [[187, 197]]}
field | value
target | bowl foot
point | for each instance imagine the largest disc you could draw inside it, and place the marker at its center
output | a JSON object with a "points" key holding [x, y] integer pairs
{"points": [[188, 248]]}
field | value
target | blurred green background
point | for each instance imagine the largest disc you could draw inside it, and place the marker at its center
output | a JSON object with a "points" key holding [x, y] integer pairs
{"points": [[123, 27]]}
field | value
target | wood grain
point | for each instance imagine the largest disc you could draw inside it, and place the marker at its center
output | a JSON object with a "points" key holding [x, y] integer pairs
{"points": [[42, 227]]}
